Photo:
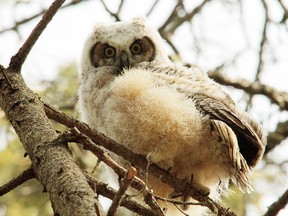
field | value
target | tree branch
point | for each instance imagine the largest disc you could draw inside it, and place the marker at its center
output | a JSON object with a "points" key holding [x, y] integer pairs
{"points": [[278, 205], [285, 14], [277, 97], [276, 137], [77, 136], [136, 183], [136, 159], [262, 41], [124, 184], [196, 191], [174, 21], [19, 58], [106, 191], [152, 8], [115, 15], [52, 162], [36, 15], [17, 181]]}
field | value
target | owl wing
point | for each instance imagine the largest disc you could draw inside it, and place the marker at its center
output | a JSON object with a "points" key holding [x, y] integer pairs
{"points": [[226, 135], [248, 133], [211, 100]]}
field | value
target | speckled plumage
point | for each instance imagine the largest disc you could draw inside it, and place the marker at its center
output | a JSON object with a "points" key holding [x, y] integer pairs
{"points": [[175, 116]]}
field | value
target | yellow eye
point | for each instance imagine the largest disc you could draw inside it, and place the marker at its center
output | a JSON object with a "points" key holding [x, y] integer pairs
{"points": [[136, 48], [109, 52]]}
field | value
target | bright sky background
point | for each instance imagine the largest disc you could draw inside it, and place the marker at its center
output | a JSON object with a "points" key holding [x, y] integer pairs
{"points": [[219, 31]]}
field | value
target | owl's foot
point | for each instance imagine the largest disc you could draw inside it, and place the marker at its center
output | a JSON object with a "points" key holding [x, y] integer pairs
{"points": [[200, 190], [186, 197]]}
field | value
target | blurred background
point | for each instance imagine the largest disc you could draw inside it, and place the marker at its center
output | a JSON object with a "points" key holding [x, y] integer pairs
{"points": [[242, 44]]}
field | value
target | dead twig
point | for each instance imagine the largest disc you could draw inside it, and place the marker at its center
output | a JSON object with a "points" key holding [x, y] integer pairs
{"points": [[124, 184], [106, 191]]}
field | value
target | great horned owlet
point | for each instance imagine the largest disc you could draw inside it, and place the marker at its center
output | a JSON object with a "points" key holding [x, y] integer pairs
{"points": [[175, 116]]}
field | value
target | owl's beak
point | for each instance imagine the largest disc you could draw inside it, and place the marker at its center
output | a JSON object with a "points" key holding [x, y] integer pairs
{"points": [[124, 60]]}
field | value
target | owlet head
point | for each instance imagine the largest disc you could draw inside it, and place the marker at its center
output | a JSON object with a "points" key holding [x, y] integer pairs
{"points": [[122, 55], [123, 45]]}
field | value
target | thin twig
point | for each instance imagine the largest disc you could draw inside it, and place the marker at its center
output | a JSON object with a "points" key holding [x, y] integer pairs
{"points": [[171, 17], [136, 183], [277, 97], [115, 15], [179, 202], [174, 21], [275, 137], [106, 191], [262, 42], [124, 184], [278, 205], [17, 181], [102, 155], [188, 17], [36, 15], [19, 58], [120, 7], [261, 50], [152, 8], [285, 14]]}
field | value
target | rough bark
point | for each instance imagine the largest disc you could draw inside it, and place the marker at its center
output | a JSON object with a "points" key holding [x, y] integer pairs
{"points": [[52, 161]]}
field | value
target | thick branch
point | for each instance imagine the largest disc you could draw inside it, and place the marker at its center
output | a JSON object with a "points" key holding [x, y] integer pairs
{"points": [[196, 192], [135, 159], [52, 161]]}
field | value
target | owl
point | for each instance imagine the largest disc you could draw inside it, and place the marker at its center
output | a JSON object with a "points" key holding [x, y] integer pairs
{"points": [[175, 116]]}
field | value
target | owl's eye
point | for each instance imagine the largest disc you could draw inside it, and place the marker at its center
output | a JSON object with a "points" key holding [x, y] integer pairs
{"points": [[136, 48], [109, 52]]}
